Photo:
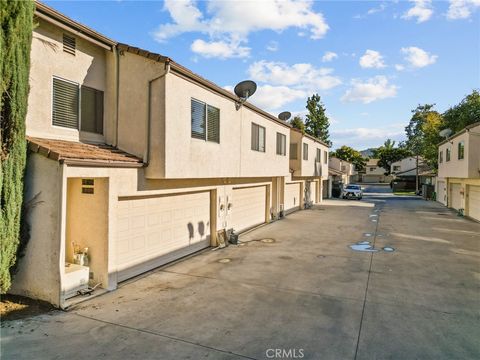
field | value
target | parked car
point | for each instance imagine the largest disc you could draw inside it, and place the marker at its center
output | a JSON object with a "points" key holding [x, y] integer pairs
{"points": [[352, 191]]}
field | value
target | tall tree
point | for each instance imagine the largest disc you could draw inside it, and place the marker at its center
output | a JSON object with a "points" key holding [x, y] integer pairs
{"points": [[423, 133], [16, 18], [316, 123], [297, 123], [463, 114], [351, 155], [388, 154]]}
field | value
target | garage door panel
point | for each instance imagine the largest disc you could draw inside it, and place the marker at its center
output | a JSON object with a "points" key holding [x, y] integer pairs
{"points": [[151, 230], [441, 192], [455, 199], [474, 202], [248, 207], [292, 196]]}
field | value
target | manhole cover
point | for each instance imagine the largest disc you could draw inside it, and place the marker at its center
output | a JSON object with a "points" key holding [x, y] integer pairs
{"points": [[368, 234], [268, 241], [388, 249], [224, 261]]}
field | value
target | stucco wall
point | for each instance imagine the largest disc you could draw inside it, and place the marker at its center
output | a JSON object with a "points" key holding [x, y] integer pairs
{"points": [[469, 165], [39, 269], [135, 74], [87, 225], [308, 167], [187, 157], [87, 67]]}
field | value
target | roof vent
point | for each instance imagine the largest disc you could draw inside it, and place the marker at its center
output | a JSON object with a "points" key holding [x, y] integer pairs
{"points": [[69, 44]]}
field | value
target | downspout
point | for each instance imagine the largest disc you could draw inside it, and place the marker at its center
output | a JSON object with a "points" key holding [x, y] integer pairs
{"points": [[117, 93], [146, 158]]}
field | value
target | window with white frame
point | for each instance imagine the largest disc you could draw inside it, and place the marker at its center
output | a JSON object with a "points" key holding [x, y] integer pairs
{"points": [[281, 144], [305, 151], [205, 121], [318, 157], [325, 157], [77, 107], [447, 155], [258, 138], [440, 156]]}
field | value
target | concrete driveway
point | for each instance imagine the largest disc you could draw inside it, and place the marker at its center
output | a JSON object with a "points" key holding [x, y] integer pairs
{"points": [[302, 294]]}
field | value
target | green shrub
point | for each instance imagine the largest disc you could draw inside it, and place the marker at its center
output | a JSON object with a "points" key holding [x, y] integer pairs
{"points": [[16, 19]]}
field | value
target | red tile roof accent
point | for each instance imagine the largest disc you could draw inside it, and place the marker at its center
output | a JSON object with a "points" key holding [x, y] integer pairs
{"points": [[61, 150]]}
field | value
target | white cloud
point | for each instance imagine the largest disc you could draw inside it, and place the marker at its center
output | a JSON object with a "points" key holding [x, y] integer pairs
{"points": [[422, 11], [220, 49], [273, 97], [372, 11], [399, 67], [373, 89], [272, 46], [372, 59], [301, 76], [462, 9], [363, 138], [417, 57], [329, 56], [232, 21]]}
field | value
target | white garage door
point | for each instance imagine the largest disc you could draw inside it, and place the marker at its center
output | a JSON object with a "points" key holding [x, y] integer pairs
{"points": [[292, 197], [455, 200], [474, 202], [313, 191], [158, 230], [441, 193], [248, 207]]}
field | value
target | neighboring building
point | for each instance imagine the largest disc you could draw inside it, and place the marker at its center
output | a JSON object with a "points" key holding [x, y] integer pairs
{"points": [[458, 181], [372, 173], [141, 161], [342, 170], [309, 167], [404, 173]]}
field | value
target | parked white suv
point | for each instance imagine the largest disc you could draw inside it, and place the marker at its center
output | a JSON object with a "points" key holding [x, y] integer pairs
{"points": [[352, 191]]}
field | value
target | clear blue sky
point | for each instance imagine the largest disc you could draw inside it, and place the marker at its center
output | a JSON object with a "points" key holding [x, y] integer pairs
{"points": [[371, 62]]}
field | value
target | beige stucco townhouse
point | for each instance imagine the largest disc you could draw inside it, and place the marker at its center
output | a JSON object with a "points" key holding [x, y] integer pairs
{"points": [[458, 181], [309, 167], [137, 161]]}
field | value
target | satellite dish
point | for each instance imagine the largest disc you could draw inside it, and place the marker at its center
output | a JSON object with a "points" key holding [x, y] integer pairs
{"points": [[245, 89], [445, 133], [285, 115]]}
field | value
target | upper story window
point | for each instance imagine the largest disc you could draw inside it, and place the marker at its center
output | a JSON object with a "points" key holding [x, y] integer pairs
{"points": [[305, 151], [372, 169], [67, 111], [69, 44], [318, 157], [447, 155], [440, 157], [396, 168], [258, 138], [281, 144], [344, 168], [91, 110], [461, 150], [293, 152], [205, 121], [325, 157]]}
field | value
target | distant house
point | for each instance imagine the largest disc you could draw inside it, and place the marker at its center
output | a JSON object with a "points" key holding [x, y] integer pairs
{"points": [[373, 173], [458, 182], [342, 170], [404, 173]]}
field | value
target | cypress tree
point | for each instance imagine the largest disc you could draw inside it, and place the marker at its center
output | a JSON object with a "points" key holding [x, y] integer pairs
{"points": [[317, 123], [16, 19]]}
